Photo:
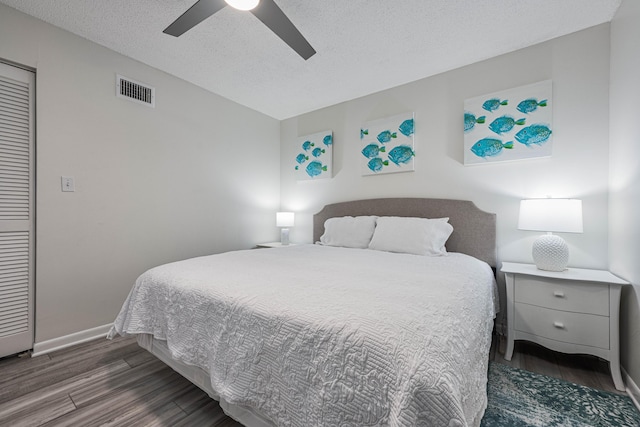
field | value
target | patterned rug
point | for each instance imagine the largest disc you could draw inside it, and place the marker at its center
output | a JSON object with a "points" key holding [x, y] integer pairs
{"points": [[519, 398]]}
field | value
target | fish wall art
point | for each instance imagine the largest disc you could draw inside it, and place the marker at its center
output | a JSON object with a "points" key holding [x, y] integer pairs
{"points": [[386, 145], [512, 124], [314, 156]]}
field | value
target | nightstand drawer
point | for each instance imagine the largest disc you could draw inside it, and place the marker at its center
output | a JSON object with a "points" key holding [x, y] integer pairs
{"points": [[578, 297], [574, 328]]}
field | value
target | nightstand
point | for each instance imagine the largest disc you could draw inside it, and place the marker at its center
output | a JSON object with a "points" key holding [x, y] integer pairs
{"points": [[571, 311], [273, 245]]}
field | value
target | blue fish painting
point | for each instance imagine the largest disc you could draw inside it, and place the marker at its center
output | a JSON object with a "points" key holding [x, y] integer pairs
{"points": [[530, 105], [314, 161], [301, 158], [493, 104], [372, 150], [363, 132], [315, 168], [385, 136], [406, 127], [534, 134], [307, 145], [376, 164], [390, 142], [470, 121], [401, 154], [317, 152], [490, 147], [505, 124], [518, 125]]}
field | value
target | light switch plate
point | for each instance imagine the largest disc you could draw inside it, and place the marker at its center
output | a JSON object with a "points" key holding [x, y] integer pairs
{"points": [[68, 184]]}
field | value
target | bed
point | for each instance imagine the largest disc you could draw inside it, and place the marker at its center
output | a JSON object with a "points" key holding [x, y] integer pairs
{"points": [[332, 335]]}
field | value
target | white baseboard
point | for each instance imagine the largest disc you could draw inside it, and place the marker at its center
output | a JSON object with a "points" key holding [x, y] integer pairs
{"points": [[632, 388], [59, 343]]}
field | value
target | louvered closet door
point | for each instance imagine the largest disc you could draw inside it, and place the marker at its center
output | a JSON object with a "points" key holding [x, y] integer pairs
{"points": [[16, 209]]}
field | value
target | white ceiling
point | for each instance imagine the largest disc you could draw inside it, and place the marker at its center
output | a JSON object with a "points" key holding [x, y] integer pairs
{"points": [[363, 46]]}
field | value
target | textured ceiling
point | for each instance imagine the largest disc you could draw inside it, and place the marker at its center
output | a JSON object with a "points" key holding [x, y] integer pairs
{"points": [[363, 46]]}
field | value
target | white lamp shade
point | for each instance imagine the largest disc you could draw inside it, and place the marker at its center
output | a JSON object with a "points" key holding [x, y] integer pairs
{"points": [[284, 219], [557, 215], [243, 4]]}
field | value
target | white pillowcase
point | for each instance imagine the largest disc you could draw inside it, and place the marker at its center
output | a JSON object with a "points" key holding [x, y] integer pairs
{"points": [[349, 231], [419, 236]]}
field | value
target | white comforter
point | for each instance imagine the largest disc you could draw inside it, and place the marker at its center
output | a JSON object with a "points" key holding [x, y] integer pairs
{"points": [[321, 336]]}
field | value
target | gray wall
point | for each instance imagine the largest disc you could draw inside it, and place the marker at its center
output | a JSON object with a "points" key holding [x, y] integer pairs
{"points": [[187, 178], [578, 64], [624, 229]]}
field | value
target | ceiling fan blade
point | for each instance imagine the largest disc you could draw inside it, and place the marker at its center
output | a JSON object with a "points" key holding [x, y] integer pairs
{"points": [[197, 13], [273, 17]]}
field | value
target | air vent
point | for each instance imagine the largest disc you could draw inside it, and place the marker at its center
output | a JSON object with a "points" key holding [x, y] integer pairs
{"points": [[135, 91]]}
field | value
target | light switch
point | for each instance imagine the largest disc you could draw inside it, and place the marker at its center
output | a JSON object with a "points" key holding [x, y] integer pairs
{"points": [[68, 184]]}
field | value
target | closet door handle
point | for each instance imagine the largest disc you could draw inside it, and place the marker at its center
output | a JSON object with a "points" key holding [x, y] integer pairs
{"points": [[558, 325], [558, 294]]}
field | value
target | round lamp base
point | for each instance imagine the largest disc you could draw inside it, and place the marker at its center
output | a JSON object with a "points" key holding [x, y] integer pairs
{"points": [[551, 253]]}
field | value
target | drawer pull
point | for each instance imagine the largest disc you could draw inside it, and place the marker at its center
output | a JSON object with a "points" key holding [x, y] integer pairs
{"points": [[558, 294], [558, 325]]}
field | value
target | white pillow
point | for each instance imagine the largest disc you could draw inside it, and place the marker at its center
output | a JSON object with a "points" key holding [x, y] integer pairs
{"points": [[419, 236], [348, 231]]}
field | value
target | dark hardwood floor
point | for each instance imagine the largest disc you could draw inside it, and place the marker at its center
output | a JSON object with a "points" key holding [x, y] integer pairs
{"points": [[101, 383], [581, 369], [117, 383]]}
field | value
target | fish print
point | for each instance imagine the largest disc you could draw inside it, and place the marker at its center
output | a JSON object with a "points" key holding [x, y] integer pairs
{"points": [[534, 134], [301, 158], [470, 121], [490, 147], [317, 152], [307, 145], [385, 136], [505, 124], [377, 163], [327, 140], [401, 154], [493, 104], [530, 105], [406, 127], [315, 168], [363, 132], [372, 150]]}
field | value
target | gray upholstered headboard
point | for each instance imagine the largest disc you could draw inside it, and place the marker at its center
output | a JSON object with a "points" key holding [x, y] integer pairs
{"points": [[474, 230]]}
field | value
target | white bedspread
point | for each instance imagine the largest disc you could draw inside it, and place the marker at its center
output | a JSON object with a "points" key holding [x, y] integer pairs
{"points": [[322, 336]]}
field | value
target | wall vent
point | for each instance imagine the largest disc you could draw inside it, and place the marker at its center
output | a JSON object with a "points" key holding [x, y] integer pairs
{"points": [[135, 91]]}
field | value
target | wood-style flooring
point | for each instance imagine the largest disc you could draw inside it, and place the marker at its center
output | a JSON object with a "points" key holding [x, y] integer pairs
{"points": [[117, 383], [581, 369]]}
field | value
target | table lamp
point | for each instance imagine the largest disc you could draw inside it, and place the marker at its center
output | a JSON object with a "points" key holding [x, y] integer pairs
{"points": [[550, 252], [284, 220]]}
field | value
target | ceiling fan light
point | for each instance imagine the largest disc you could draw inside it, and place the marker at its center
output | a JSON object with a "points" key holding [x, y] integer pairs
{"points": [[243, 4]]}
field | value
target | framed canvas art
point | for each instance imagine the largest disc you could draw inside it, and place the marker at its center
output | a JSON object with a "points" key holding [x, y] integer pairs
{"points": [[386, 145], [512, 124], [314, 156]]}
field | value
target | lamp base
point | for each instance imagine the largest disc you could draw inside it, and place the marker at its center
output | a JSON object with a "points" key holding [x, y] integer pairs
{"points": [[551, 253], [284, 236]]}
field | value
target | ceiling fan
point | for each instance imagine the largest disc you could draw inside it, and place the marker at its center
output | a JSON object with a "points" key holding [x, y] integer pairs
{"points": [[265, 10]]}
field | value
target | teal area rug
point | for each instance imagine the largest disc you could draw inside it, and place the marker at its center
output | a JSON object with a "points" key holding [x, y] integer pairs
{"points": [[519, 398]]}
